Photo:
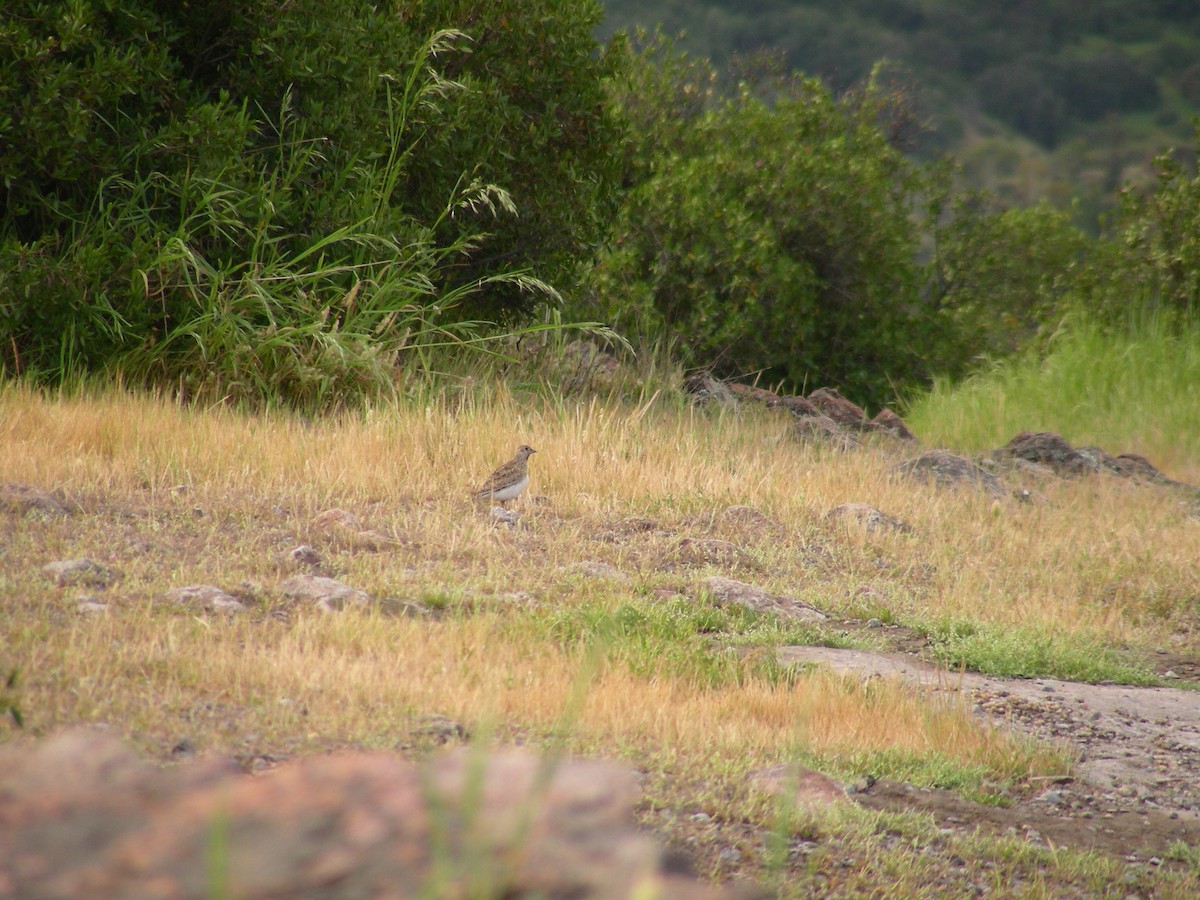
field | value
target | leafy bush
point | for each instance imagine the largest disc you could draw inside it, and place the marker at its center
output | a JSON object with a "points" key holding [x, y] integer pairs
{"points": [[296, 191], [1003, 273], [767, 231], [1158, 240]]}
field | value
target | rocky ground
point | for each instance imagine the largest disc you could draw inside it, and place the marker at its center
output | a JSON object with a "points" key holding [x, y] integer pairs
{"points": [[1135, 790]]}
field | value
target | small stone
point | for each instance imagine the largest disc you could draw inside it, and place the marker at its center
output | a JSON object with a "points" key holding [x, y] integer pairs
{"points": [[91, 607], [507, 517], [593, 569], [867, 517], [25, 498], [732, 592], [183, 747], [80, 571], [304, 555], [326, 594], [206, 597]]}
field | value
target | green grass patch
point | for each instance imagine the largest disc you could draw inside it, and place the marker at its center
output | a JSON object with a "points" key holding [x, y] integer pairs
{"points": [[1128, 388], [694, 639], [1026, 653]]}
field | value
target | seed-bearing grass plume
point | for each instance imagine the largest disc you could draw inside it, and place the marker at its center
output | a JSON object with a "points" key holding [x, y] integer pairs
{"points": [[508, 481]]}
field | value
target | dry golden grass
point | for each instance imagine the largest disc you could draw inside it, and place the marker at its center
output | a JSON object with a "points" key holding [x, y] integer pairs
{"points": [[1098, 556], [361, 679], [175, 496]]}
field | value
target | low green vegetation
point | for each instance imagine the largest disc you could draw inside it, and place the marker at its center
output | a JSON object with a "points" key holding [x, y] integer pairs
{"points": [[1126, 387], [329, 204], [1030, 653], [276, 203]]}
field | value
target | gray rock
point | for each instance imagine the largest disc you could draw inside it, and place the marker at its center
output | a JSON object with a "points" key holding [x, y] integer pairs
{"points": [[729, 591], [506, 517], [325, 593], [304, 555], [867, 516], [83, 571], [25, 498], [947, 469], [592, 569], [205, 597]]}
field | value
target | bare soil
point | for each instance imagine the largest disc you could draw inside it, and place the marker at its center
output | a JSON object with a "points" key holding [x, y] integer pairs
{"points": [[1135, 790]]}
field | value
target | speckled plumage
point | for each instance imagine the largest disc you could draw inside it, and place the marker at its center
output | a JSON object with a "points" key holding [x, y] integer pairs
{"points": [[508, 481]]}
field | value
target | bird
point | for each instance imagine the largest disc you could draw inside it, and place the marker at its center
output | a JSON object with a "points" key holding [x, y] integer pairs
{"points": [[507, 482]]}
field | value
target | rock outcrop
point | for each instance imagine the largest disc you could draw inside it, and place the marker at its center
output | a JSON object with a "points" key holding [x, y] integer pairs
{"points": [[81, 816]]}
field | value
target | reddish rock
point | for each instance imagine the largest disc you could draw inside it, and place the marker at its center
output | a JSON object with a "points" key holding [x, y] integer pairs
{"points": [[81, 816], [823, 431], [888, 422], [797, 406], [751, 393], [838, 408], [801, 787]]}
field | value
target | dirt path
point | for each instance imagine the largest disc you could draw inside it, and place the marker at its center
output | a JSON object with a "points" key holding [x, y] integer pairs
{"points": [[1135, 791]]}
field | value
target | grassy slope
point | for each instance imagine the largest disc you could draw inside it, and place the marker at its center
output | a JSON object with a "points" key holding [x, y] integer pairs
{"points": [[1135, 390], [527, 648]]}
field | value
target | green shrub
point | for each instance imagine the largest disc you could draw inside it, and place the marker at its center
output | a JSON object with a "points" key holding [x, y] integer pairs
{"points": [[1157, 263], [222, 176], [1003, 273], [767, 231]]}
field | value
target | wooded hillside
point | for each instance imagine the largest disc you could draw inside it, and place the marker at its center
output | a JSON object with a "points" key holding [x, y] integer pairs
{"points": [[1055, 99]]}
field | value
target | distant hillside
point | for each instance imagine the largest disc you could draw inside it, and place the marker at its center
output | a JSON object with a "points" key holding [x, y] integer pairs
{"points": [[1056, 99]]}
